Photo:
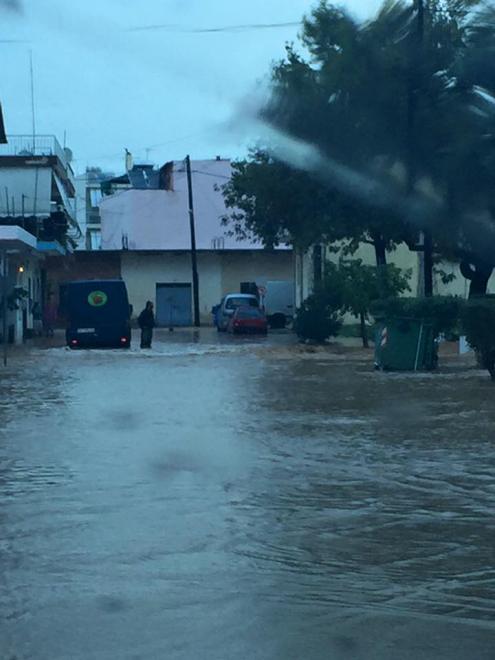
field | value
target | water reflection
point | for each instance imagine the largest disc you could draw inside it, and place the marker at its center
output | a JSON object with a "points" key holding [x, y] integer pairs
{"points": [[234, 504]]}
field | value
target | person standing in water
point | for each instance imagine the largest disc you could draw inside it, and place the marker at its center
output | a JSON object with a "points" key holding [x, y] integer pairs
{"points": [[146, 321]]}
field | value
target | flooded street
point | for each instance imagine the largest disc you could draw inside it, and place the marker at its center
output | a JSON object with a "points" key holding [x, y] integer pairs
{"points": [[238, 499]]}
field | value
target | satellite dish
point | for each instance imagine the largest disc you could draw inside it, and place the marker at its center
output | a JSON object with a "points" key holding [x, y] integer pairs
{"points": [[68, 154]]}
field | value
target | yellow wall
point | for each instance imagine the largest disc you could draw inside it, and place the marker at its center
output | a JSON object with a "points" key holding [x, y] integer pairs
{"points": [[219, 273], [256, 267], [401, 257]]}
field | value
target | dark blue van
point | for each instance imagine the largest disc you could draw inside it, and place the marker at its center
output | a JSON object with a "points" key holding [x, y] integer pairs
{"points": [[98, 314]]}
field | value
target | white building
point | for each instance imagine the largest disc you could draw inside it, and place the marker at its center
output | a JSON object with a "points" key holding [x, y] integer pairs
{"points": [[150, 227], [36, 220]]}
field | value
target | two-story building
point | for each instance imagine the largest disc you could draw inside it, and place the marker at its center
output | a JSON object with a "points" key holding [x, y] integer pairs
{"points": [[146, 239], [36, 219]]}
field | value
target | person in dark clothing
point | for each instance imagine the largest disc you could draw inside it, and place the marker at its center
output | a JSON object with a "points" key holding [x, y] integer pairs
{"points": [[146, 322]]}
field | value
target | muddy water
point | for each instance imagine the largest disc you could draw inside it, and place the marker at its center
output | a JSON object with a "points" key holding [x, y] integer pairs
{"points": [[231, 500]]}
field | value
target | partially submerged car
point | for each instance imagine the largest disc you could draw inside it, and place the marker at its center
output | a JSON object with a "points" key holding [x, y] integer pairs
{"points": [[225, 311], [248, 320]]}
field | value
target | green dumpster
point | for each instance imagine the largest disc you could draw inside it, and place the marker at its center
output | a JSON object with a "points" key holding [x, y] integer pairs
{"points": [[404, 344]]}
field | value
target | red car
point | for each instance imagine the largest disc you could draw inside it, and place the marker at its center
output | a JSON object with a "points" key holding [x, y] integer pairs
{"points": [[248, 320]]}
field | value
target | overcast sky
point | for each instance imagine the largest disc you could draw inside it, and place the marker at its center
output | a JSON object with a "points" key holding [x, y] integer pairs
{"points": [[160, 92]]}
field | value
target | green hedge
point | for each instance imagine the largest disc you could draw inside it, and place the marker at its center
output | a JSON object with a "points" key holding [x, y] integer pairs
{"points": [[443, 312]]}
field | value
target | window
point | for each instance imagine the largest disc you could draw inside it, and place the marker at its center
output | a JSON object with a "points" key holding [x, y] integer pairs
{"points": [[233, 303], [94, 240], [95, 196]]}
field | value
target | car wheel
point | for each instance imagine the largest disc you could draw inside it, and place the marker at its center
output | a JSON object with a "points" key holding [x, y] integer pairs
{"points": [[278, 321]]}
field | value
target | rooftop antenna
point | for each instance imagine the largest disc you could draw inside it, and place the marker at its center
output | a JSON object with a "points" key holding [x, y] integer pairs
{"points": [[36, 171], [33, 114]]}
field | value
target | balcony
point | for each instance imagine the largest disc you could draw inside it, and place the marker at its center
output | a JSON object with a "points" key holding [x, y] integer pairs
{"points": [[39, 145]]}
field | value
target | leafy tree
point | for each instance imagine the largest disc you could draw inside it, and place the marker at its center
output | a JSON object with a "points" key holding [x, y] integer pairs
{"points": [[349, 286], [336, 101], [389, 103], [466, 164], [276, 203], [384, 128], [363, 284]]}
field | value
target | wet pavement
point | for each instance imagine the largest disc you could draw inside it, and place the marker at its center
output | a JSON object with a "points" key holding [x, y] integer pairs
{"points": [[222, 498]]}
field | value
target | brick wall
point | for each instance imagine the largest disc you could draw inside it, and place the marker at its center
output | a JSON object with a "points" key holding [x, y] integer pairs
{"points": [[80, 266]]}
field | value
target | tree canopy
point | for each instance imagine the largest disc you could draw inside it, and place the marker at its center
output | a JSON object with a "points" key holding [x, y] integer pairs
{"points": [[396, 116]]}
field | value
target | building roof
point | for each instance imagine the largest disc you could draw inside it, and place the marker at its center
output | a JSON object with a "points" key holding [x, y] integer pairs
{"points": [[159, 219]]}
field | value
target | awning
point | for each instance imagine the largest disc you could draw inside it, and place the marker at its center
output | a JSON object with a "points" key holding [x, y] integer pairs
{"points": [[13, 238], [51, 248]]}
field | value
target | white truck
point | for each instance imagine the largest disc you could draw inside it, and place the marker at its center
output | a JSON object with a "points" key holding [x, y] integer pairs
{"points": [[277, 299]]}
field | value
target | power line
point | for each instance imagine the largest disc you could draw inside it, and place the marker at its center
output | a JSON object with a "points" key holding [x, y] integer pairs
{"points": [[216, 176], [144, 148], [226, 28]]}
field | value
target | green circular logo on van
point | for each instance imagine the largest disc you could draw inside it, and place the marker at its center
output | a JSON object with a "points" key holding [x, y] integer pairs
{"points": [[97, 298]]}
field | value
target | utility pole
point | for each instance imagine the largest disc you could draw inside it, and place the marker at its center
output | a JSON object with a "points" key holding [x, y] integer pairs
{"points": [[427, 237], [3, 136], [415, 84], [194, 262]]}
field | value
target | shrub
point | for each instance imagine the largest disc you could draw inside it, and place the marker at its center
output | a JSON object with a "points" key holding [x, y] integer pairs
{"points": [[478, 320], [317, 319]]}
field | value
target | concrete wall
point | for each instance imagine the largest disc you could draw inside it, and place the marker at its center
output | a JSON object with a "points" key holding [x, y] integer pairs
{"points": [[219, 273], [459, 286], [256, 267], [401, 257], [143, 271]]}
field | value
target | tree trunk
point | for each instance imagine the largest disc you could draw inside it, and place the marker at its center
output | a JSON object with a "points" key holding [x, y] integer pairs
{"points": [[479, 276], [479, 285], [381, 263], [380, 250], [428, 264], [364, 330]]}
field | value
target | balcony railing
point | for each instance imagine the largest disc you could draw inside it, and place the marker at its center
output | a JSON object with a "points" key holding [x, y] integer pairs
{"points": [[39, 145]]}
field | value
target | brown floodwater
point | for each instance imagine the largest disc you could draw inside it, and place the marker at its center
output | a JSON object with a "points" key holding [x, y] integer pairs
{"points": [[229, 498]]}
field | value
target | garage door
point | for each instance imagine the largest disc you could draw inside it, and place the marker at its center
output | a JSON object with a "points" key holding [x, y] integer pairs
{"points": [[173, 305]]}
